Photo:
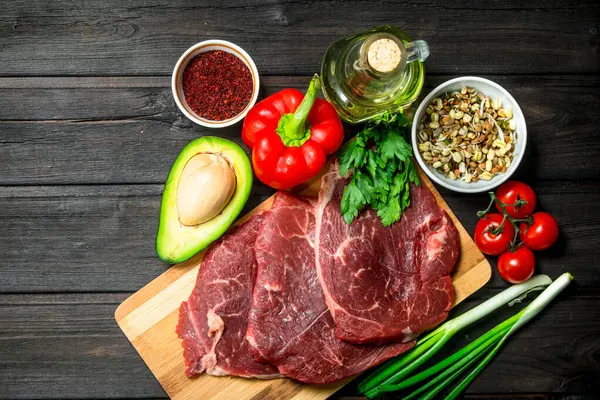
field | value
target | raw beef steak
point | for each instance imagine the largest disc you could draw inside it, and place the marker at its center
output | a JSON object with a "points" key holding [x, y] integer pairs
{"points": [[384, 284], [289, 324], [212, 322]]}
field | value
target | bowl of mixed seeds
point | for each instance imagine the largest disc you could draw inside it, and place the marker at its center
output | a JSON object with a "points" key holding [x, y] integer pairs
{"points": [[469, 135]]}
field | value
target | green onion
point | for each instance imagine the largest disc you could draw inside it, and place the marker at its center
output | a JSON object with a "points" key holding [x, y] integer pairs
{"points": [[447, 370], [399, 368]]}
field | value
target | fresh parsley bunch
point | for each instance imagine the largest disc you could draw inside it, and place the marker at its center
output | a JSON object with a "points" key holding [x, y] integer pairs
{"points": [[381, 159]]}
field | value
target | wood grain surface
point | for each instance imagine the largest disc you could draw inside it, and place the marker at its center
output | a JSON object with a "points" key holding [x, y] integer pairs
{"points": [[88, 132], [148, 319]]}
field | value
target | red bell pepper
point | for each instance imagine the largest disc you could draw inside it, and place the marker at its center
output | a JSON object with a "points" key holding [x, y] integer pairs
{"points": [[290, 135]]}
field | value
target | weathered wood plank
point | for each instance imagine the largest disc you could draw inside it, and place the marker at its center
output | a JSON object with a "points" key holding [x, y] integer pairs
{"points": [[128, 130], [68, 346], [290, 37], [101, 238]]}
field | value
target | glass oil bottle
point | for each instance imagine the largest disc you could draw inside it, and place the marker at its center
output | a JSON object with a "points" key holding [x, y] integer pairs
{"points": [[373, 72]]}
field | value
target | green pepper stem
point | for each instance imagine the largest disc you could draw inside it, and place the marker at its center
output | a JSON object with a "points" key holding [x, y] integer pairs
{"points": [[295, 127]]}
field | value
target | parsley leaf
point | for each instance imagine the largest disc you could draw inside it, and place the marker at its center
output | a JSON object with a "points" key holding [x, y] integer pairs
{"points": [[390, 212], [352, 201], [394, 146], [381, 160], [351, 156]]}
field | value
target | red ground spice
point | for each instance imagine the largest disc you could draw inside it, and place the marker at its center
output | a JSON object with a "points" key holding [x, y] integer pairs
{"points": [[217, 85]]}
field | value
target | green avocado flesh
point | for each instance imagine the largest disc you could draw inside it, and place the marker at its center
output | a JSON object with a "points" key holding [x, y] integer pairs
{"points": [[176, 242]]}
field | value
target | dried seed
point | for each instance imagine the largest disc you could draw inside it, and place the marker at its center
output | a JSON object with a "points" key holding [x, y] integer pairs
{"points": [[504, 168], [473, 164], [498, 144], [495, 170], [486, 176], [497, 104]]}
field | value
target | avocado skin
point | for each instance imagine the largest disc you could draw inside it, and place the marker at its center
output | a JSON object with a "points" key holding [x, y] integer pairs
{"points": [[176, 242]]}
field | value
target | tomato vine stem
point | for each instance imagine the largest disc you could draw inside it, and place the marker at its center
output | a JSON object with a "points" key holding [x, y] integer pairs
{"points": [[505, 216]]}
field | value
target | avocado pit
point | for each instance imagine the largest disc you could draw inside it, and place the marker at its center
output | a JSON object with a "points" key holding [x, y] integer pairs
{"points": [[205, 188]]}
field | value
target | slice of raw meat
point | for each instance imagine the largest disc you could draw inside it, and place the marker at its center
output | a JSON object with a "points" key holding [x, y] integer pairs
{"points": [[289, 324], [384, 284], [212, 322]]}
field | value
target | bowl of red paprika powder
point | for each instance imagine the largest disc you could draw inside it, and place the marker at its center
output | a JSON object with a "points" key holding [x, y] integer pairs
{"points": [[215, 83]]}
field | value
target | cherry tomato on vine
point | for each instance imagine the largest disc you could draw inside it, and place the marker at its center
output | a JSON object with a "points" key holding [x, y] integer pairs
{"points": [[488, 242], [513, 191], [542, 233], [516, 266]]}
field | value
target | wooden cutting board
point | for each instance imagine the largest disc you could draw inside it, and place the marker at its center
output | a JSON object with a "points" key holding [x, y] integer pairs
{"points": [[149, 317]]}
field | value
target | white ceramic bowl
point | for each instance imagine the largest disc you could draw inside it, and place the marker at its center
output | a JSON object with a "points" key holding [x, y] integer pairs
{"points": [[492, 90], [177, 79]]}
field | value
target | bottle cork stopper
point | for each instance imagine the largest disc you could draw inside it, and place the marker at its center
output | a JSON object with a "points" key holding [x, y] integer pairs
{"points": [[384, 55]]}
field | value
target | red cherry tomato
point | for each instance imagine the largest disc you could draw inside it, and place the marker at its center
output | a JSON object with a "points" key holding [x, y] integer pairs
{"points": [[542, 233], [516, 266], [513, 191], [488, 242]]}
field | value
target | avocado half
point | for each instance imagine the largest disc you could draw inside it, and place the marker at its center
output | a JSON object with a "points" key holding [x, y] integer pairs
{"points": [[176, 242]]}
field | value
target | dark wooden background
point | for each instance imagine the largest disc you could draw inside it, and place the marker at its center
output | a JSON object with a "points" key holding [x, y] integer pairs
{"points": [[89, 129]]}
